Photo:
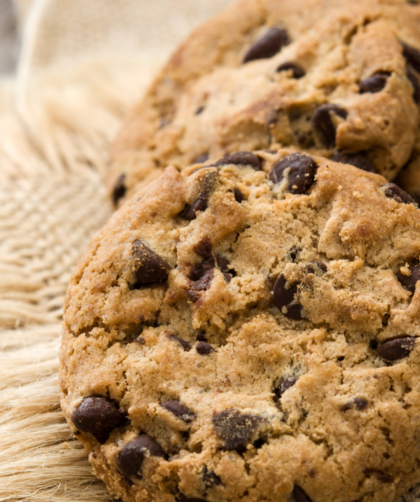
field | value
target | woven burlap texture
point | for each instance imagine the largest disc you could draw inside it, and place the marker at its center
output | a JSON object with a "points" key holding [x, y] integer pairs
{"points": [[83, 63]]}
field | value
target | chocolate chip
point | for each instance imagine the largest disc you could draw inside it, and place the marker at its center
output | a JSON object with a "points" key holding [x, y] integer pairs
{"points": [[410, 282], [119, 189], [185, 345], [393, 191], [359, 402], [201, 158], [222, 263], [396, 349], [193, 295], [283, 384], [210, 479], [239, 196], [301, 174], [375, 83], [201, 336], [283, 297], [199, 110], [235, 429], [190, 211], [205, 282], [299, 495], [359, 160], [204, 348], [413, 78], [316, 266], [199, 270], [240, 159], [323, 124], [150, 268], [179, 410], [97, 415], [269, 45], [131, 457], [412, 56], [297, 71], [204, 249]]}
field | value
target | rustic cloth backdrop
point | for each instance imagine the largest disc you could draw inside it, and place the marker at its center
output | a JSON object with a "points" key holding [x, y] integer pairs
{"points": [[82, 64]]}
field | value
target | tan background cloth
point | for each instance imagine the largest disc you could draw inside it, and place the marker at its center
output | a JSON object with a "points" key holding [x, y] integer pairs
{"points": [[83, 63]]}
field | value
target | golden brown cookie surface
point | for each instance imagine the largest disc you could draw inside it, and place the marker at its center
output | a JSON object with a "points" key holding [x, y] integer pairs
{"points": [[248, 332], [331, 77]]}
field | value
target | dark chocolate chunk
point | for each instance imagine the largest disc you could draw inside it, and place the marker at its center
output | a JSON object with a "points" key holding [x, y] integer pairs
{"points": [[179, 410], [210, 479], [201, 336], [269, 45], [150, 267], [205, 281], [359, 160], [316, 266], [284, 297], [193, 295], [375, 83], [239, 196], [236, 429], [190, 211], [204, 348], [131, 457], [283, 384], [301, 174], [410, 282], [393, 191], [396, 349], [184, 344], [200, 269], [204, 249], [412, 56], [323, 124], [119, 189], [297, 71], [240, 159], [97, 415], [413, 78], [222, 263], [299, 495]]}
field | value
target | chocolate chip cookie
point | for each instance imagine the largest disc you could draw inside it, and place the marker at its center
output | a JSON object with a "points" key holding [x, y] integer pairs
{"points": [[246, 330], [331, 77]]}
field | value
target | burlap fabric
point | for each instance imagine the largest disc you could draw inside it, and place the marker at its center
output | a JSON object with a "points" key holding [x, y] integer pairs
{"points": [[83, 63]]}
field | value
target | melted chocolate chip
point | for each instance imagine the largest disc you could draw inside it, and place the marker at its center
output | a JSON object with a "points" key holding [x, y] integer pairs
{"points": [[301, 173], [375, 83], [413, 78], [412, 56], [323, 124], [299, 495], [297, 71], [316, 266], [410, 282], [204, 249], [269, 45], [132, 456], [359, 402], [236, 429], [184, 344], [204, 348], [97, 415], [240, 159], [359, 160], [199, 270], [150, 267], [205, 282], [283, 297], [179, 410], [210, 479], [393, 191], [284, 384], [119, 189], [190, 211], [239, 196], [396, 349], [222, 263]]}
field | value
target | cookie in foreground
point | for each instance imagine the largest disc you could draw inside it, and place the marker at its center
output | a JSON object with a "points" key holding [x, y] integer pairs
{"points": [[330, 77], [247, 331]]}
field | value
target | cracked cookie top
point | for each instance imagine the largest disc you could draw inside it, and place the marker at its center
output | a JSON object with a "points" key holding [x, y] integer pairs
{"points": [[331, 77], [247, 330]]}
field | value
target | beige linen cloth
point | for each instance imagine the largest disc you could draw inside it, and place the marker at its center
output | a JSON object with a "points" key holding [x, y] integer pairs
{"points": [[83, 63]]}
